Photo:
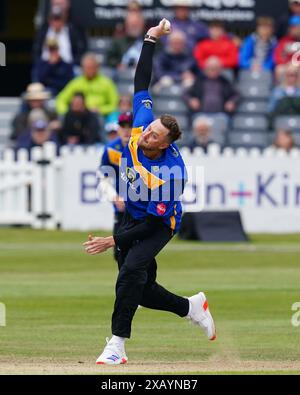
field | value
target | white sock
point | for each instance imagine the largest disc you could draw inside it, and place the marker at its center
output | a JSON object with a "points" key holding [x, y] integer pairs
{"points": [[119, 340], [190, 309]]}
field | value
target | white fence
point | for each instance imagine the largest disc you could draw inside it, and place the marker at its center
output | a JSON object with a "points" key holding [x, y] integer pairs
{"points": [[48, 191]]}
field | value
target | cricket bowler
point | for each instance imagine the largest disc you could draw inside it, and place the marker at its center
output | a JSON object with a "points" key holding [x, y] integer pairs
{"points": [[152, 179]]}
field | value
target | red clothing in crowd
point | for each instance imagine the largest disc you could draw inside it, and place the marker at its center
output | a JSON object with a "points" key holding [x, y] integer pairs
{"points": [[284, 51], [224, 49]]}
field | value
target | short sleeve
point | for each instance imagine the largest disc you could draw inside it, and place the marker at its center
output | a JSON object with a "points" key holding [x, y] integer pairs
{"points": [[142, 109]]}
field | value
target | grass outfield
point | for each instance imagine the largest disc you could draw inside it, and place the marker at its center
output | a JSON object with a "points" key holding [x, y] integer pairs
{"points": [[59, 303]]}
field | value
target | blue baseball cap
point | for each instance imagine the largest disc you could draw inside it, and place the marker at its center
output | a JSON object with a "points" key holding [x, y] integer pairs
{"points": [[294, 20]]}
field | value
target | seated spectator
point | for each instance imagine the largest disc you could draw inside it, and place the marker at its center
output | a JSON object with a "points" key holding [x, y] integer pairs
{"points": [[195, 31], [72, 44], [202, 133], [36, 136], [257, 50], [212, 93], [285, 99], [125, 50], [35, 97], [80, 125], [284, 140], [283, 20], [53, 73], [174, 65], [220, 45], [288, 46], [125, 105], [100, 92]]}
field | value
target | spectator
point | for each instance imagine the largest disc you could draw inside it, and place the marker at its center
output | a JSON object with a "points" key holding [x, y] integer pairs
{"points": [[285, 99], [35, 97], [111, 130], [202, 133], [195, 31], [125, 105], [100, 92], [257, 50], [54, 73], [289, 44], [174, 64], [220, 45], [80, 125], [212, 93], [284, 140], [283, 21], [72, 44], [36, 136], [125, 51]]}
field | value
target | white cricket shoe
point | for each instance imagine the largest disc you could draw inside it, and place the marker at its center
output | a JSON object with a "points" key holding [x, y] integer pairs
{"points": [[199, 314], [113, 354]]}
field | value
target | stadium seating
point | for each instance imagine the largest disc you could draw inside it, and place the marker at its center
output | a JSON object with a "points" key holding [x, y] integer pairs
{"points": [[253, 107], [171, 91], [248, 139], [265, 78], [125, 88], [126, 75], [169, 106], [253, 122], [288, 122], [254, 91], [99, 46]]}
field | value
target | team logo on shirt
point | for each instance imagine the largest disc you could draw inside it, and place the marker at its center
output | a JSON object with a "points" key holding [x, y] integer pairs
{"points": [[175, 153], [161, 208], [147, 104], [131, 174]]}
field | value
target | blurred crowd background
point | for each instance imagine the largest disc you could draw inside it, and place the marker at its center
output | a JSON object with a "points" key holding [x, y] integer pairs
{"points": [[236, 90]]}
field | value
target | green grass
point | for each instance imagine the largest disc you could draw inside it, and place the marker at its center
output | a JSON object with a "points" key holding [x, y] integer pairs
{"points": [[59, 302]]}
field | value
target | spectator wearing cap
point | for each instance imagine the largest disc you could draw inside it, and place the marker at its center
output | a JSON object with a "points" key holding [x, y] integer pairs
{"points": [[111, 130], [53, 73], [284, 140], [174, 64], [202, 133], [219, 45], [111, 161], [257, 50], [212, 93], [80, 126], [124, 51], [288, 46], [195, 31], [37, 135], [283, 20], [72, 44], [36, 96], [100, 92]]}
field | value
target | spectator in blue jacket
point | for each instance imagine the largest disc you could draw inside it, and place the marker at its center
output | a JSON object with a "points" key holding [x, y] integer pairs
{"points": [[53, 73], [257, 50]]}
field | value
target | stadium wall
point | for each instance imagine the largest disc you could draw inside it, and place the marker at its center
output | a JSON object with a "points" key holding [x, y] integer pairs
{"points": [[48, 190]]}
